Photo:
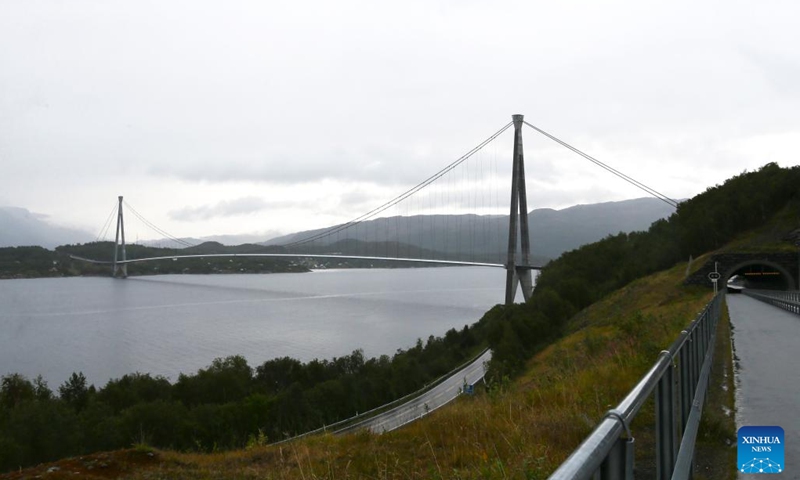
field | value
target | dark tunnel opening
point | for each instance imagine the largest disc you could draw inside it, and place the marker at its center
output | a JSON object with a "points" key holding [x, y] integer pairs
{"points": [[760, 276]]}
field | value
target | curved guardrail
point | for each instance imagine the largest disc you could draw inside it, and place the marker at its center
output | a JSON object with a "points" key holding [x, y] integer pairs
{"points": [[607, 454], [343, 426], [786, 299], [409, 411]]}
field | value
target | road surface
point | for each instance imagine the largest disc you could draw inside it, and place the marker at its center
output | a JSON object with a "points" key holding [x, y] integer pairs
{"points": [[766, 342], [429, 401]]}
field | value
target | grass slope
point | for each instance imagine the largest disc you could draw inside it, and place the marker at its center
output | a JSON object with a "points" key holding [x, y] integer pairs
{"points": [[519, 429]]}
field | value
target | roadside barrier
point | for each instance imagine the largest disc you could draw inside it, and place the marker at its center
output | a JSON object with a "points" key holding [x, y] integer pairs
{"points": [[347, 424], [678, 380], [787, 300]]}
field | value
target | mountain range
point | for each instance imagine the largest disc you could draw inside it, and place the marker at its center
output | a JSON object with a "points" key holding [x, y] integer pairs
{"points": [[486, 237], [20, 227], [552, 231]]}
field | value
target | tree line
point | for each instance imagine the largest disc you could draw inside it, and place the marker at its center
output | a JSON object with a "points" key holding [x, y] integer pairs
{"points": [[222, 406], [36, 262]]}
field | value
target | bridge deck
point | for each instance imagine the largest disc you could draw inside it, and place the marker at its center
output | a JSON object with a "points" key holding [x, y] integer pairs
{"points": [[298, 255]]}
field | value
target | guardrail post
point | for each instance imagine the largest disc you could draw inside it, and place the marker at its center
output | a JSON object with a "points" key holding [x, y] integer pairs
{"points": [[619, 462], [706, 331], [704, 322], [691, 353], [666, 445], [685, 386], [696, 359]]}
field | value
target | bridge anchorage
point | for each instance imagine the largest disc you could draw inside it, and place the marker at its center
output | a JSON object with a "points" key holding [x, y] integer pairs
{"points": [[518, 254]]}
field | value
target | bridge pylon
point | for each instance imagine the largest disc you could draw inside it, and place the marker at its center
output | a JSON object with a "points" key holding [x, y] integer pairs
{"points": [[518, 273], [122, 269]]}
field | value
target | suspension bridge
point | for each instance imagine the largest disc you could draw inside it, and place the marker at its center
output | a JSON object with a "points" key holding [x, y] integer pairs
{"points": [[414, 227]]}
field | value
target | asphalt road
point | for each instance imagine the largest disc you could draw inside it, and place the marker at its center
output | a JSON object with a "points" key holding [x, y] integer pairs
{"points": [[766, 342], [429, 401]]}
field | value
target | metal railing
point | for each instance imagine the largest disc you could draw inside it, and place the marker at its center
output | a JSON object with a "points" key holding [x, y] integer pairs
{"points": [[678, 380], [785, 299], [342, 426]]}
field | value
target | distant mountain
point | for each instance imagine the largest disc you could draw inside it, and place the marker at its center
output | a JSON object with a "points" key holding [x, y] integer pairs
{"points": [[229, 240], [481, 238], [486, 237], [554, 232], [20, 227]]}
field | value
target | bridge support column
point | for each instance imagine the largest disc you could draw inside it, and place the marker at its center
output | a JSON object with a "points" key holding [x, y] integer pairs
{"points": [[120, 234], [518, 273]]}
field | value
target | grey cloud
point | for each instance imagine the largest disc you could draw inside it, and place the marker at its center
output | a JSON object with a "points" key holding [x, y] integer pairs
{"points": [[359, 200], [265, 93], [240, 206], [387, 164], [376, 165], [226, 208], [782, 72]]}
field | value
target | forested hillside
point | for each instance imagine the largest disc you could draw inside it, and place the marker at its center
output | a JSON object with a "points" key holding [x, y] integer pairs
{"points": [[581, 277]]}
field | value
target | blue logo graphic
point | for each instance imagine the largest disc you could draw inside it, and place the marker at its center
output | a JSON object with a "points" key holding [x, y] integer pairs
{"points": [[760, 450]]}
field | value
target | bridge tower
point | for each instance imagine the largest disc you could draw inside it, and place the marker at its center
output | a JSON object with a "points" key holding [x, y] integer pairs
{"points": [[518, 274], [117, 244]]}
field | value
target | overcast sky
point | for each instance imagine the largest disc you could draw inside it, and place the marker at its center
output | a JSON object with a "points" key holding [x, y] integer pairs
{"points": [[270, 116]]}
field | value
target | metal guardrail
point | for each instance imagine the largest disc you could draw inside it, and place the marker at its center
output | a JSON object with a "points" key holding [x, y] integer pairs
{"points": [[414, 417], [785, 299], [342, 425], [678, 380]]}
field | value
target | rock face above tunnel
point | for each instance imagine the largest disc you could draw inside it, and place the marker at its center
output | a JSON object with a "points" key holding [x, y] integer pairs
{"points": [[728, 263]]}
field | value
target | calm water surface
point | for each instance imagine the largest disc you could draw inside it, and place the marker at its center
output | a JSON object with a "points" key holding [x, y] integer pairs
{"points": [[178, 323]]}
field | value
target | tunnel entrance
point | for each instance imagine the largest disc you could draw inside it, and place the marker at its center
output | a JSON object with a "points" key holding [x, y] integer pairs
{"points": [[762, 275], [776, 270]]}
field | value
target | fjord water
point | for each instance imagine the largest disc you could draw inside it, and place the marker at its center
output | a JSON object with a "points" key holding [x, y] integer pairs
{"points": [[168, 324]]}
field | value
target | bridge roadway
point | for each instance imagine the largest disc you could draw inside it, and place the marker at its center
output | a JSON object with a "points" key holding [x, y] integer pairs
{"points": [[768, 371], [429, 401], [303, 255]]}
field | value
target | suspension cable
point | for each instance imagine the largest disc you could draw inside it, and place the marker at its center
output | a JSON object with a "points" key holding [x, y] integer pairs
{"points": [[375, 211], [158, 230], [608, 168], [107, 224]]}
